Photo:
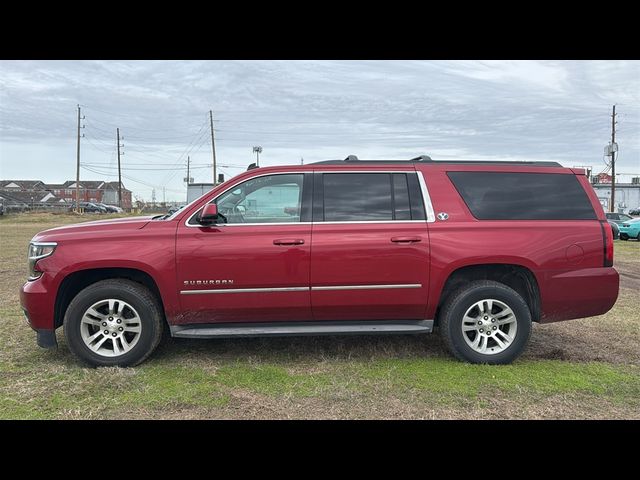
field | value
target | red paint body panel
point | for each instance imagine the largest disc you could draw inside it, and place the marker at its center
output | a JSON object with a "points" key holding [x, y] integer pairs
{"points": [[247, 255], [363, 254], [565, 257]]}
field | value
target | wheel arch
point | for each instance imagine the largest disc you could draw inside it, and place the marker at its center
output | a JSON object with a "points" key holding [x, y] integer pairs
{"points": [[76, 281], [516, 276]]}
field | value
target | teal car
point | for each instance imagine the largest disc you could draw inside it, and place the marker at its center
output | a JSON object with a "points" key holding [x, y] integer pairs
{"points": [[630, 229]]}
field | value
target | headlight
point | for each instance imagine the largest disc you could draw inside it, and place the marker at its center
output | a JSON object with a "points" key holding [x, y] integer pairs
{"points": [[37, 251]]}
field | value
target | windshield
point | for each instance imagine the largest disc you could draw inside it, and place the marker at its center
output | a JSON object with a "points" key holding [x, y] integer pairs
{"points": [[186, 207]]}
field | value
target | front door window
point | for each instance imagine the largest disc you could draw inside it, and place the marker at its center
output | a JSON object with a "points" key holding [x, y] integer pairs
{"points": [[267, 199]]}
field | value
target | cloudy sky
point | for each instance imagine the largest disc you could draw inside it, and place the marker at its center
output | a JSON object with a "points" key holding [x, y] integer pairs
{"points": [[311, 110]]}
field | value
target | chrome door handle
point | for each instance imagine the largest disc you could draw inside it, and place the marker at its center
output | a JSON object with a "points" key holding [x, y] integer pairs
{"points": [[406, 239], [288, 241]]}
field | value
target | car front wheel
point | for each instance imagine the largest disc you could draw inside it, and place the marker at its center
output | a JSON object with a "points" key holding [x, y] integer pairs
{"points": [[115, 322], [485, 322]]}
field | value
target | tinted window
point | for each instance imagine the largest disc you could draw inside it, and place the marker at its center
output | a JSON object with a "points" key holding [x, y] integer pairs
{"points": [[353, 197], [402, 207], [523, 196], [357, 197]]}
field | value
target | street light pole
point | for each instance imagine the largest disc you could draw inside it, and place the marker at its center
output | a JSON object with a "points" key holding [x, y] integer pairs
{"points": [[258, 150]]}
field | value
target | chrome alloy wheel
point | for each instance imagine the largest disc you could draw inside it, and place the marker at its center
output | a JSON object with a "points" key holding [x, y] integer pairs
{"points": [[110, 327], [489, 326]]}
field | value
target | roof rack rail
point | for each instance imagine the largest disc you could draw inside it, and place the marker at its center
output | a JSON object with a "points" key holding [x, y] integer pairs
{"points": [[427, 159]]}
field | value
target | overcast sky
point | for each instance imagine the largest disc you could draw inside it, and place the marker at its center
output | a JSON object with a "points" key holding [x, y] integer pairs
{"points": [[316, 110]]}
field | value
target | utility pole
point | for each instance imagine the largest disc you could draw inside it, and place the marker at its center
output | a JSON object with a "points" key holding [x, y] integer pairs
{"points": [[164, 198], [213, 147], [119, 171], [78, 167], [613, 161], [188, 160]]}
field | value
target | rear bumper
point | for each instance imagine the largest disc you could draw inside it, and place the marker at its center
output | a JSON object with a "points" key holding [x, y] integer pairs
{"points": [[579, 293]]}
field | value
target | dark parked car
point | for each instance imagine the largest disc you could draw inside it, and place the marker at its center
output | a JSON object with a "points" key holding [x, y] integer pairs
{"points": [[108, 208], [615, 229], [635, 211], [174, 209], [90, 207], [618, 217]]}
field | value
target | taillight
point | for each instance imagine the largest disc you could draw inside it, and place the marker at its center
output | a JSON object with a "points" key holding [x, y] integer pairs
{"points": [[607, 238]]}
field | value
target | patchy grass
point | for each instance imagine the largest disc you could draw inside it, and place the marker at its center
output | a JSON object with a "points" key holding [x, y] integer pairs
{"points": [[570, 369]]}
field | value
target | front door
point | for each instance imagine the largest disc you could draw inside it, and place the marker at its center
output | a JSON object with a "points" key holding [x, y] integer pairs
{"points": [[253, 265], [370, 252]]}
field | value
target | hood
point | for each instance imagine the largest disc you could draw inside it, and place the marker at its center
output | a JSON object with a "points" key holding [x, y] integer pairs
{"points": [[117, 224]]}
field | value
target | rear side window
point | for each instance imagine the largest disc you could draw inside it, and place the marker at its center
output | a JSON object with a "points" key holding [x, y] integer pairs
{"points": [[357, 197], [523, 196]]}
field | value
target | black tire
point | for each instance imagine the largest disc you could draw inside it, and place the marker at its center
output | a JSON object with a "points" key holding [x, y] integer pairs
{"points": [[624, 236], [139, 297], [455, 307]]}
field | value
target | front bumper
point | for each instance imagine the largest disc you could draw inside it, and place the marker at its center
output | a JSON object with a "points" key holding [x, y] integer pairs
{"points": [[37, 299]]}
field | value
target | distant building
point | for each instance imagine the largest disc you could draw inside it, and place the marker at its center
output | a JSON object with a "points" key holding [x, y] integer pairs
{"points": [[24, 194], [20, 200], [627, 195], [196, 190], [91, 191], [22, 185]]}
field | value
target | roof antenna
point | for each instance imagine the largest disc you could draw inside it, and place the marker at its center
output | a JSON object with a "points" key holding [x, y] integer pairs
{"points": [[422, 158], [351, 158]]}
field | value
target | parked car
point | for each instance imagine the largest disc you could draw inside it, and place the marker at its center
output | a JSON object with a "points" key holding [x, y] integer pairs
{"points": [[635, 211], [618, 217], [174, 209], [337, 247], [615, 229], [89, 207], [1, 207], [630, 229], [109, 208]]}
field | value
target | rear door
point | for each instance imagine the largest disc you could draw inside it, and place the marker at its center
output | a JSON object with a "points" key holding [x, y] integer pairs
{"points": [[370, 246]]}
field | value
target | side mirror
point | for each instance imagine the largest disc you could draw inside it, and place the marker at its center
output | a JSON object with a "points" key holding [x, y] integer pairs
{"points": [[209, 214]]}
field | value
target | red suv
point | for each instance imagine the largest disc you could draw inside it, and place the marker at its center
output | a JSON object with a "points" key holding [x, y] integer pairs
{"points": [[478, 250]]}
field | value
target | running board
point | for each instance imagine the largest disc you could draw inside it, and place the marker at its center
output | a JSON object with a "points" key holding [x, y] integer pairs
{"points": [[283, 329]]}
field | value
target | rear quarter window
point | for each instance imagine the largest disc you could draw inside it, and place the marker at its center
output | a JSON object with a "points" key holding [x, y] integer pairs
{"points": [[523, 196]]}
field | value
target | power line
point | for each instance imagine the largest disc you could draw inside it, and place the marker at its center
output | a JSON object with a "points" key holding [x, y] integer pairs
{"points": [[133, 179]]}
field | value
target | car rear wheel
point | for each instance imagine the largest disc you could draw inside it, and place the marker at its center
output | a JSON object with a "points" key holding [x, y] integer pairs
{"points": [[115, 322], [624, 236], [485, 322]]}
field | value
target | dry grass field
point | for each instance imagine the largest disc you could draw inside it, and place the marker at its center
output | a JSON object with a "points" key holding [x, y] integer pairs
{"points": [[583, 369]]}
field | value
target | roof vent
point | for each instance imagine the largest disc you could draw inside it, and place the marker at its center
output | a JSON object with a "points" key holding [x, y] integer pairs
{"points": [[422, 158]]}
